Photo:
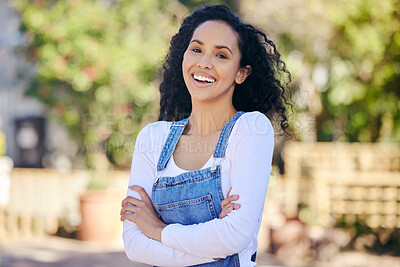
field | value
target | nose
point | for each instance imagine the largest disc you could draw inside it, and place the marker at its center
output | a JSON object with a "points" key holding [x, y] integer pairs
{"points": [[205, 62]]}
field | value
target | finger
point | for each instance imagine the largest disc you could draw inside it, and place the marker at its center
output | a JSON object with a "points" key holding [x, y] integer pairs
{"points": [[233, 206], [142, 192], [228, 208], [224, 202], [236, 206], [129, 208], [229, 199], [131, 200], [225, 211], [128, 216], [233, 198], [227, 195]]}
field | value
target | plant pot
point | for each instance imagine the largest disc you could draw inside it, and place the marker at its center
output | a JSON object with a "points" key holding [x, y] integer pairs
{"points": [[100, 216]]}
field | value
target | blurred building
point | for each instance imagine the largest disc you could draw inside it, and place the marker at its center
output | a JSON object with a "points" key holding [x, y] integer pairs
{"points": [[30, 137], [22, 119]]}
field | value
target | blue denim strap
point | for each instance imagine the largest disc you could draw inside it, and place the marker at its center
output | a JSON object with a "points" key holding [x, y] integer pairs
{"points": [[222, 143], [175, 133]]}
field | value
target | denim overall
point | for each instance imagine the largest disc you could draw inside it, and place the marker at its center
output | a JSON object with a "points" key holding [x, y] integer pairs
{"points": [[195, 196]]}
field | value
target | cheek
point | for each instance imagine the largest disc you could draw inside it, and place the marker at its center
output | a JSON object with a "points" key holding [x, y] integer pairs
{"points": [[186, 62], [185, 67], [228, 73]]}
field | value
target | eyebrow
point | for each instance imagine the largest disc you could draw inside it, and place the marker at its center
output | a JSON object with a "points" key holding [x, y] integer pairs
{"points": [[217, 46]]}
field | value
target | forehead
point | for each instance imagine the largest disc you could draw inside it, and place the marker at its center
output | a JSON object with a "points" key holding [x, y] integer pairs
{"points": [[216, 32]]}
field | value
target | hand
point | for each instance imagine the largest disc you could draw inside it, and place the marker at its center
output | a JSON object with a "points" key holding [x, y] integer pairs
{"points": [[142, 213], [227, 206]]}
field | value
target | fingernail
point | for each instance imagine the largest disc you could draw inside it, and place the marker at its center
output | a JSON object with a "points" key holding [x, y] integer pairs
{"points": [[237, 206], [230, 208]]}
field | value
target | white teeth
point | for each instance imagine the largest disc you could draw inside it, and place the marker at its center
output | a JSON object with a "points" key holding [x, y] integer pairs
{"points": [[203, 79]]}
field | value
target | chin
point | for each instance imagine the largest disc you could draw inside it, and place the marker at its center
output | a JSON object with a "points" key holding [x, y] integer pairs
{"points": [[200, 96]]}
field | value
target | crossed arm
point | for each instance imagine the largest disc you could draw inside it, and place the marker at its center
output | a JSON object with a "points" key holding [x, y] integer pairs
{"points": [[142, 213]]}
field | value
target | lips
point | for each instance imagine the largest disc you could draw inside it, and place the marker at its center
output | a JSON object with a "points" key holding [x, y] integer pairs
{"points": [[203, 80]]}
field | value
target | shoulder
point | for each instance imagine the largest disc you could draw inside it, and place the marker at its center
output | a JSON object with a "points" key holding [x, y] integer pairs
{"points": [[158, 127], [252, 133], [153, 133], [254, 123]]}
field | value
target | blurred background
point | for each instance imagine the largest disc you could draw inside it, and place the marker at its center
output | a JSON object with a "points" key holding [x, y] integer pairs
{"points": [[79, 80]]}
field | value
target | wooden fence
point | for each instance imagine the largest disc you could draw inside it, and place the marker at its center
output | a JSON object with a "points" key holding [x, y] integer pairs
{"points": [[42, 200], [344, 180]]}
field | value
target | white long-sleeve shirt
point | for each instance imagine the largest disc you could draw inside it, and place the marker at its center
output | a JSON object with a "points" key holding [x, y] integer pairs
{"points": [[246, 168]]}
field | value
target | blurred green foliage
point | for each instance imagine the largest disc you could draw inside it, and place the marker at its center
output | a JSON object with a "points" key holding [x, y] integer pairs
{"points": [[345, 57], [364, 87], [97, 64]]}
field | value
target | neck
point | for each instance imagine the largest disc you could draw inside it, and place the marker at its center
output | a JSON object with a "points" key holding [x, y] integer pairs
{"points": [[209, 119]]}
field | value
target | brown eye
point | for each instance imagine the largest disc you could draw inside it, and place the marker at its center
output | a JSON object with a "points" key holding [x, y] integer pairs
{"points": [[222, 56], [196, 50]]}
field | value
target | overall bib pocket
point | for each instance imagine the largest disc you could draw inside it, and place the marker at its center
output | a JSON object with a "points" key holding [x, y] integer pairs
{"points": [[196, 210]]}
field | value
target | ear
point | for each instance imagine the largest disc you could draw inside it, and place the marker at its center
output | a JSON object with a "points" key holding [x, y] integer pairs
{"points": [[242, 74]]}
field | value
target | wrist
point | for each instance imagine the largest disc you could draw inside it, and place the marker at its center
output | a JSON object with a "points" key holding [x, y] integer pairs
{"points": [[158, 231]]}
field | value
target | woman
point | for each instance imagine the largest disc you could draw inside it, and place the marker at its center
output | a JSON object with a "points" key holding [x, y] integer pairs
{"points": [[221, 79]]}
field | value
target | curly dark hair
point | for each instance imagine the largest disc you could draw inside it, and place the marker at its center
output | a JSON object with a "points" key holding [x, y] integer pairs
{"points": [[262, 91]]}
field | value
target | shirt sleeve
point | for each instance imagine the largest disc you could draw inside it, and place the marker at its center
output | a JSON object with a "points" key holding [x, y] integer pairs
{"points": [[138, 247], [251, 158]]}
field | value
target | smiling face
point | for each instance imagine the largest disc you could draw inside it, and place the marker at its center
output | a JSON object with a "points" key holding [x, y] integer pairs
{"points": [[211, 63]]}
